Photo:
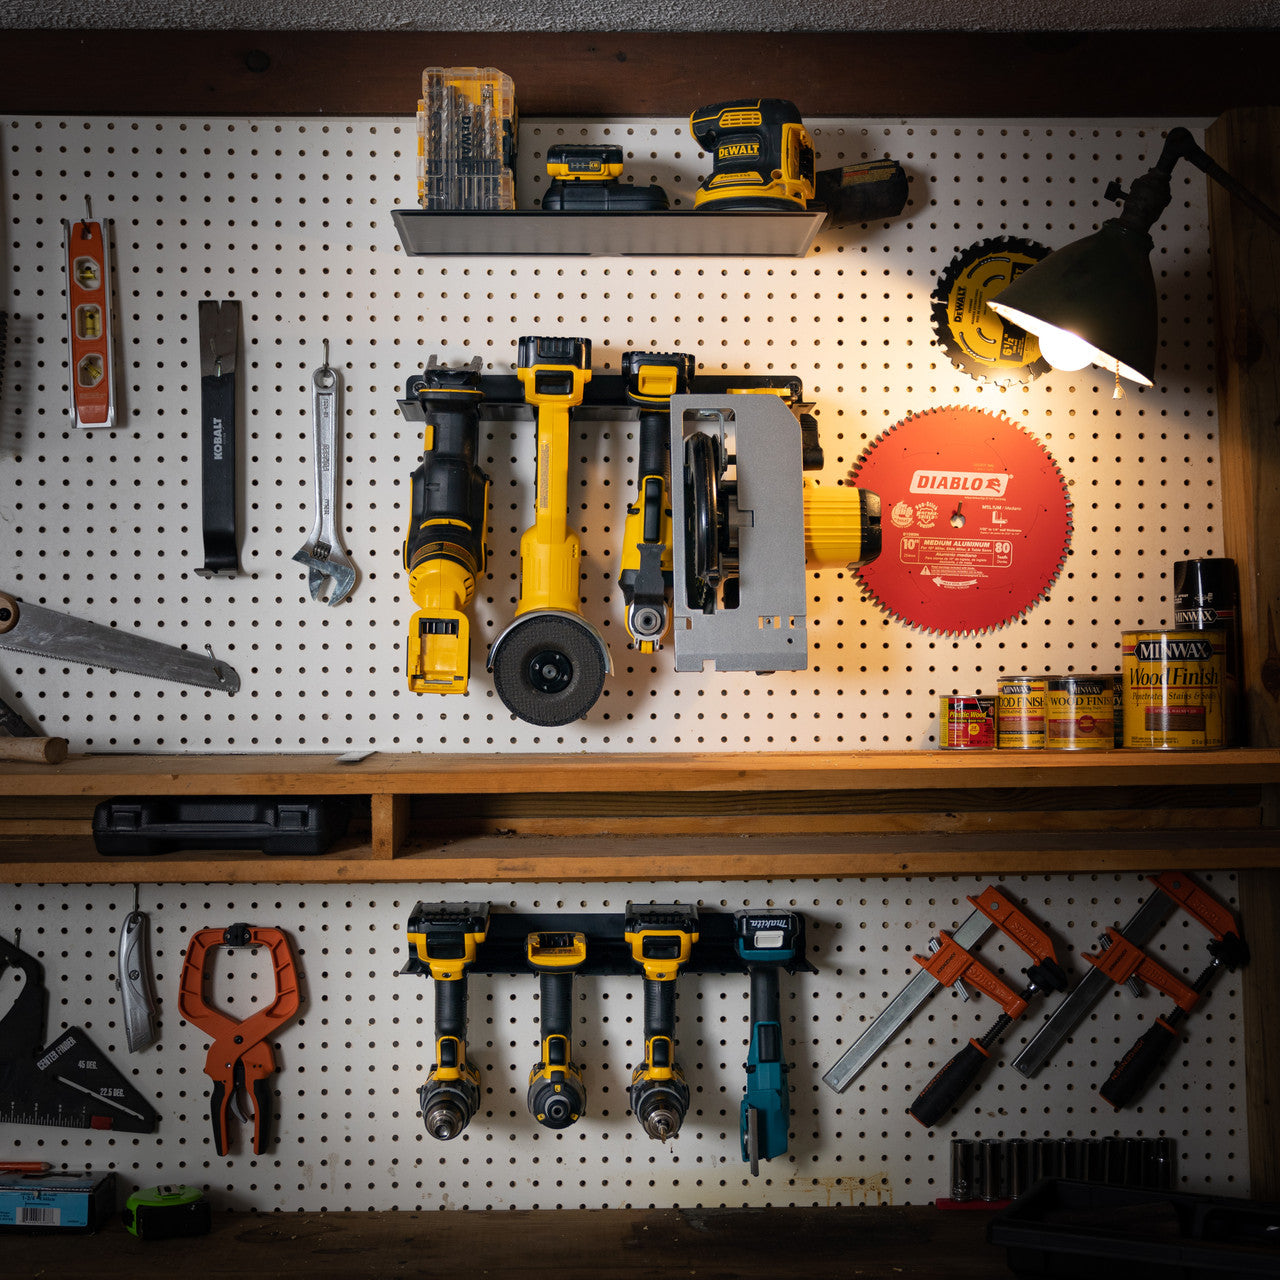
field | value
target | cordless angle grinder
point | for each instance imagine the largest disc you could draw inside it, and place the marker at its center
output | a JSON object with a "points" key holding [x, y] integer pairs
{"points": [[652, 378], [444, 550], [661, 939], [442, 939], [549, 665], [557, 1093]]}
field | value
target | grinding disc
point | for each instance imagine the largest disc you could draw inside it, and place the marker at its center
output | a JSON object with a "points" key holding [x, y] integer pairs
{"points": [[976, 339], [976, 520]]}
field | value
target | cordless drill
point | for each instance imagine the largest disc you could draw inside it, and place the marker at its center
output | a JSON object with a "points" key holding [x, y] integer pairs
{"points": [[761, 155], [765, 941], [661, 939], [557, 1093], [442, 938], [444, 551], [652, 379]]}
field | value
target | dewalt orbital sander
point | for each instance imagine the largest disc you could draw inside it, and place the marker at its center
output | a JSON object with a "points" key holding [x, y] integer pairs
{"points": [[762, 155]]}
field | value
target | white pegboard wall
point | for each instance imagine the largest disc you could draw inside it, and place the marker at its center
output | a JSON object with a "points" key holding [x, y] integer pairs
{"points": [[292, 217], [348, 1131]]}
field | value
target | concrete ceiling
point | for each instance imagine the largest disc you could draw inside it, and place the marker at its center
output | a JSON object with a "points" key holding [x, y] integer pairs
{"points": [[629, 15]]}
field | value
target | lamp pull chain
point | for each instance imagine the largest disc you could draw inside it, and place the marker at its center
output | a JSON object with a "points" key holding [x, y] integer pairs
{"points": [[1118, 393]]}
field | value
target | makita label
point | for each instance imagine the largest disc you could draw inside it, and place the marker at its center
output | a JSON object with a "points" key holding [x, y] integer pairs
{"points": [[1177, 650], [739, 151], [983, 483]]}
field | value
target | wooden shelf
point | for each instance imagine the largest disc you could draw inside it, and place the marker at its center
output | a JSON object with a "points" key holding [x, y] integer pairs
{"points": [[457, 818]]}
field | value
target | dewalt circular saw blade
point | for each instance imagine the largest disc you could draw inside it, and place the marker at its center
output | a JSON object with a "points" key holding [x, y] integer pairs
{"points": [[976, 520], [976, 339]]}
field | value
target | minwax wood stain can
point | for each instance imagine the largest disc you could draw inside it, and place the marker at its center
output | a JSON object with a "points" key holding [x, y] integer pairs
{"points": [[1080, 713], [1020, 712], [1173, 684]]}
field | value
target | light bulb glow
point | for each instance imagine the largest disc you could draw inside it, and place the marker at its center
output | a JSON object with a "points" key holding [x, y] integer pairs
{"points": [[1064, 350]]}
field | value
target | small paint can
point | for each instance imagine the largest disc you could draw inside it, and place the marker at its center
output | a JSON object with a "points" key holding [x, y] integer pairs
{"points": [[967, 722], [1080, 713], [1020, 712], [1173, 683]]}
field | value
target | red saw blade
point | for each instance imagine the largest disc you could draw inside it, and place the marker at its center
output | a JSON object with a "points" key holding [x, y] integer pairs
{"points": [[976, 521]]}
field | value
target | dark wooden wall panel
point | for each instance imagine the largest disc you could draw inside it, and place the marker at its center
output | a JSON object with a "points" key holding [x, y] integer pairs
{"points": [[1156, 74]]}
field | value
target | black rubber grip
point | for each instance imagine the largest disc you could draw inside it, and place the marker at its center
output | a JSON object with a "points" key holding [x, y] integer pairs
{"points": [[451, 1008], [1137, 1066], [939, 1097], [659, 1008], [655, 444], [218, 1106], [765, 1004], [261, 1115], [556, 990]]}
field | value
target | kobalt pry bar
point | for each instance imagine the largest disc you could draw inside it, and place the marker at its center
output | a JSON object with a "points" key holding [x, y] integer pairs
{"points": [[949, 963], [442, 938]]}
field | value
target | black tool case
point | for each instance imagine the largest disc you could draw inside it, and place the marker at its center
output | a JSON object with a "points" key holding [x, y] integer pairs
{"points": [[1062, 1228], [297, 825]]}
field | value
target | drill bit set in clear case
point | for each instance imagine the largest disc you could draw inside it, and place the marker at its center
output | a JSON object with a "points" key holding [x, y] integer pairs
{"points": [[466, 139]]}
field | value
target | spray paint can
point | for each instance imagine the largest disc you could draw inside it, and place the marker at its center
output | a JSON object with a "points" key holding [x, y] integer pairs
{"points": [[1206, 595]]}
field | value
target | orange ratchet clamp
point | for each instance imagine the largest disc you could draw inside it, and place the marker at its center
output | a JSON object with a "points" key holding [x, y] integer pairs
{"points": [[240, 1057]]}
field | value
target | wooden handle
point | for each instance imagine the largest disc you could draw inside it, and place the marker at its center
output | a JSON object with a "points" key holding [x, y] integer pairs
{"points": [[8, 613], [34, 750]]}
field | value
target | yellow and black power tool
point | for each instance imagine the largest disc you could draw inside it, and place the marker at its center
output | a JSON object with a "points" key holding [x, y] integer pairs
{"points": [[587, 176], [761, 155], [652, 378], [442, 939], [444, 551], [557, 1092], [549, 665], [661, 939]]}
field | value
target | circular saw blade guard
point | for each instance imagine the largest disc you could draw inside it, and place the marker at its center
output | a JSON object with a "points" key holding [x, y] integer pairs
{"points": [[976, 520]]}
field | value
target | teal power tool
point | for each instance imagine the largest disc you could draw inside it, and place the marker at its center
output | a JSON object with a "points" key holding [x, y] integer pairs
{"points": [[766, 941], [557, 1093], [661, 939], [442, 938]]}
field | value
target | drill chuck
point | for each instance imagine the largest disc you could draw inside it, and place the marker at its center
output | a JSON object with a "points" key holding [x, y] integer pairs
{"points": [[660, 1106], [447, 1108]]}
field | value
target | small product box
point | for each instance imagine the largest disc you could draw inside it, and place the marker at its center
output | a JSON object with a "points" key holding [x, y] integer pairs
{"points": [[466, 139], [70, 1203]]}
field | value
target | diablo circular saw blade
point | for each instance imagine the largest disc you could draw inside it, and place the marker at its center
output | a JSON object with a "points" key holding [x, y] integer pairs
{"points": [[977, 340], [976, 521]]}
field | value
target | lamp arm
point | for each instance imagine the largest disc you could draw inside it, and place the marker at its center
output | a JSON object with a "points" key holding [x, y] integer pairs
{"points": [[1180, 145]]}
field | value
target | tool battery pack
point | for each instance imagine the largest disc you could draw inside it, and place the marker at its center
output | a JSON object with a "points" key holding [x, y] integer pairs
{"points": [[66, 1203], [297, 825]]}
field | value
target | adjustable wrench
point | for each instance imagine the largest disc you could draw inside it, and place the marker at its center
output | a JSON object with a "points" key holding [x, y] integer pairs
{"points": [[322, 552]]}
